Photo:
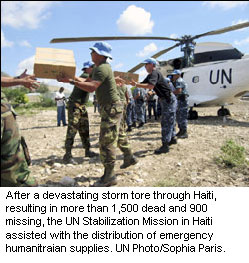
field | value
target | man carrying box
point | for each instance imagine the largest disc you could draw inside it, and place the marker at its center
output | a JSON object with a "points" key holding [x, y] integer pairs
{"points": [[111, 110]]}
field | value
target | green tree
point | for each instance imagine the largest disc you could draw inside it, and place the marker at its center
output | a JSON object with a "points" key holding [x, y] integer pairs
{"points": [[43, 88], [16, 95], [47, 102], [132, 89]]}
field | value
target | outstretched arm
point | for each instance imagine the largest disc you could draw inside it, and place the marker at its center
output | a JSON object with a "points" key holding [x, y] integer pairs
{"points": [[28, 81], [141, 85], [87, 85]]}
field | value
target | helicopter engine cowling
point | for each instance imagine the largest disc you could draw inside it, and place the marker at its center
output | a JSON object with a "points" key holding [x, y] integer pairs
{"points": [[177, 63]]}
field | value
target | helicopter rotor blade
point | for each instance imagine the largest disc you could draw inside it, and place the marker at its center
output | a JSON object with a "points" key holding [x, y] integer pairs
{"points": [[165, 50], [154, 56], [134, 69], [181, 40], [84, 39], [222, 30]]}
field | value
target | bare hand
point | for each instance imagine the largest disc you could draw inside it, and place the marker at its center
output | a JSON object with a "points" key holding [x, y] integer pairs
{"points": [[133, 83], [119, 80], [80, 79], [24, 75], [29, 82], [63, 78]]}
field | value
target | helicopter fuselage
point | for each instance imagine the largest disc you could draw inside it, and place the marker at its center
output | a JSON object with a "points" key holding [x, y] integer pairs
{"points": [[218, 83]]}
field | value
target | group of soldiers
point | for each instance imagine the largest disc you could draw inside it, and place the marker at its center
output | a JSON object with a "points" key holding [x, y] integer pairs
{"points": [[116, 105], [142, 103]]}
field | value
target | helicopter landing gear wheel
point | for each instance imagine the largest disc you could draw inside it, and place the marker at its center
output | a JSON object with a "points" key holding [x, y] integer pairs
{"points": [[192, 114], [223, 112]]}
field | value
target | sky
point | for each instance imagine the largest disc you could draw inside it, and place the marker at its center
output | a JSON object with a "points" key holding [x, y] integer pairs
{"points": [[26, 25]]}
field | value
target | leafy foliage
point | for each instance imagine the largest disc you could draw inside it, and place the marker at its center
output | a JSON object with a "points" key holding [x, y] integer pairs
{"points": [[232, 155], [132, 89], [17, 95], [43, 88], [46, 102]]}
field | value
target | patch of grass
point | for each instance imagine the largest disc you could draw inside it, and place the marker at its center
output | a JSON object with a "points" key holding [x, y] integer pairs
{"points": [[89, 104], [30, 109], [35, 107], [233, 155], [172, 182]]}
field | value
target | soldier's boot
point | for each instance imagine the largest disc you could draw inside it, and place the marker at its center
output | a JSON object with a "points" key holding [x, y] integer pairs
{"points": [[180, 132], [183, 135], [68, 158], [163, 149], [173, 141], [89, 153], [141, 124], [134, 125], [129, 129], [129, 159], [108, 179]]}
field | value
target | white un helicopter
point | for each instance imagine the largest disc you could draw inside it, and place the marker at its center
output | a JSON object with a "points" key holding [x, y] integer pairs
{"points": [[216, 73]]}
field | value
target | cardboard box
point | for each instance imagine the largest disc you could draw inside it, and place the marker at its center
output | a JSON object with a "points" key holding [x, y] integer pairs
{"points": [[50, 62], [127, 76]]}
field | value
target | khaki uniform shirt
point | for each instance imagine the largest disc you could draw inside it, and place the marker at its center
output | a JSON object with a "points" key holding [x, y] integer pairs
{"points": [[107, 93], [79, 95]]}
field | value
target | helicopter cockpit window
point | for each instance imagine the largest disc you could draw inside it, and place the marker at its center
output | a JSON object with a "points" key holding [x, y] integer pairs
{"points": [[195, 79], [217, 55]]}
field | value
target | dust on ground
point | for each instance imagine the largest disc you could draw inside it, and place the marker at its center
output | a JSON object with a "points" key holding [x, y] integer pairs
{"points": [[189, 163]]}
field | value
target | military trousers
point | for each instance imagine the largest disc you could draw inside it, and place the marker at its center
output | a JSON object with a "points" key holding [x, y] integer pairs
{"points": [[14, 168], [77, 122], [182, 114], [112, 133], [131, 116], [152, 105], [158, 108], [168, 118], [140, 111]]}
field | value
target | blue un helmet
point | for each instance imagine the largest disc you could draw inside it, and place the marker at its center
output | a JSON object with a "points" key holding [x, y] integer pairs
{"points": [[176, 72], [103, 49], [87, 64], [150, 61], [168, 80]]}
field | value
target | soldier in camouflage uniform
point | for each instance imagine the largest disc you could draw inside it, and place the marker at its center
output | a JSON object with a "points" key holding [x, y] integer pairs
{"points": [[124, 97], [131, 116], [155, 81], [78, 118], [111, 111], [14, 153], [181, 93]]}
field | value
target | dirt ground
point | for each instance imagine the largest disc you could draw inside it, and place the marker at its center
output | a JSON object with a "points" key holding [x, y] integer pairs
{"points": [[189, 163]]}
